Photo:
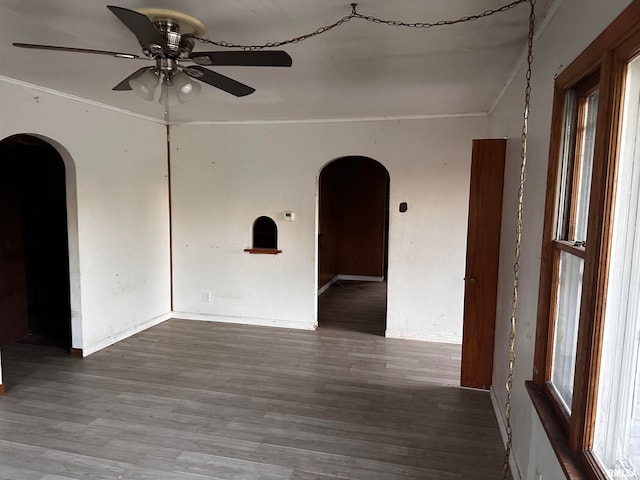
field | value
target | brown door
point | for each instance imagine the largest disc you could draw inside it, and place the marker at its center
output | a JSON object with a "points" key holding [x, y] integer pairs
{"points": [[483, 250], [14, 319]]}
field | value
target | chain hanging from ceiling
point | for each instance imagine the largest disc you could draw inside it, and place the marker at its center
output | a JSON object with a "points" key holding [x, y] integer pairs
{"points": [[523, 156], [518, 239], [369, 18]]}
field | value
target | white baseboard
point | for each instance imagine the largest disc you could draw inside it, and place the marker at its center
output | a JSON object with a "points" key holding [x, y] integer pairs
{"points": [[498, 410], [326, 286], [357, 278], [263, 322], [115, 338], [424, 337]]}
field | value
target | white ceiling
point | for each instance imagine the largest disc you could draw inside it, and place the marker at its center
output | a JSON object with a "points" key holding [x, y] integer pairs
{"points": [[358, 70]]}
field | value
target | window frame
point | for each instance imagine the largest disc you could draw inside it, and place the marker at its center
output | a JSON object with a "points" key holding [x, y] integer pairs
{"points": [[564, 235], [606, 57]]}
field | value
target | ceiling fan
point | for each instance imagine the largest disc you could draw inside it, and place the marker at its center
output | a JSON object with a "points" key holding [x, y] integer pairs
{"points": [[166, 36]]}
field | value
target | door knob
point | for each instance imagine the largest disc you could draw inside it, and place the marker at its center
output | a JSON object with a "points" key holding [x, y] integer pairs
{"points": [[472, 280]]}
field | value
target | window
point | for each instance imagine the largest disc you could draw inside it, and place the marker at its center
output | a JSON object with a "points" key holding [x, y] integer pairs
{"points": [[617, 428], [574, 187], [586, 382]]}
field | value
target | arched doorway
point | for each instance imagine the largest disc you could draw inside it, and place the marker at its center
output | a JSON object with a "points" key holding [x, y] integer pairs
{"points": [[34, 252], [353, 225]]}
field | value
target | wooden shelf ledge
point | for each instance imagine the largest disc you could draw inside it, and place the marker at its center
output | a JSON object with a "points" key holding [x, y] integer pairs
{"points": [[263, 251]]}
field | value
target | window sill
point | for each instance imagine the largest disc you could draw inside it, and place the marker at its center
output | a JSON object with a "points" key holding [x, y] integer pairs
{"points": [[263, 251], [570, 463]]}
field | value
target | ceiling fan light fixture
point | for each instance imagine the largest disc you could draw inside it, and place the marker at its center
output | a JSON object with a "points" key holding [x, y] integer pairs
{"points": [[145, 84], [186, 88]]}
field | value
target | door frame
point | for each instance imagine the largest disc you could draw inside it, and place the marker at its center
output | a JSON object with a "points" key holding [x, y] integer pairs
{"points": [[320, 290]]}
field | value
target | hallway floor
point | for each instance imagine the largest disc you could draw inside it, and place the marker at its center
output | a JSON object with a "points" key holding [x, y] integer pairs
{"points": [[355, 306]]}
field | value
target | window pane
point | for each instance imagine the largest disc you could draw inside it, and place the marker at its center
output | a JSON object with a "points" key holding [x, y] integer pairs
{"points": [[585, 167], [617, 431], [566, 164], [569, 293], [576, 165]]}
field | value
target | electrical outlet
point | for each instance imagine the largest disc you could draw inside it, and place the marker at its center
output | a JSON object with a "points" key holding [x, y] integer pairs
{"points": [[206, 297]]}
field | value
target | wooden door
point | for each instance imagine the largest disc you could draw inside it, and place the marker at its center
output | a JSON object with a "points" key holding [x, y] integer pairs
{"points": [[14, 319], [483, 250]]}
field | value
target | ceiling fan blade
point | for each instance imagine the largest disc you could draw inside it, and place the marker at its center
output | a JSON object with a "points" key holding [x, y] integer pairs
{"points": [[148, 35], [266, 58], [73, 49], [124, 84], [217, 80]]}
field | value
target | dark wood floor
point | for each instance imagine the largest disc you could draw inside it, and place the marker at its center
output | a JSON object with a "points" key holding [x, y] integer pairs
{"points": [[354, 306], [200, 400]]}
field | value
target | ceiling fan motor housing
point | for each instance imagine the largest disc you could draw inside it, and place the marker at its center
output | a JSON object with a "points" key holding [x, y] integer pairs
{"points": [[179, 45], [175, 28]]}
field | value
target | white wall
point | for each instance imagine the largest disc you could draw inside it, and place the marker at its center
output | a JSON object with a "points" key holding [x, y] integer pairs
{"points": [[575, 24], [226, 175], [117, 197]]}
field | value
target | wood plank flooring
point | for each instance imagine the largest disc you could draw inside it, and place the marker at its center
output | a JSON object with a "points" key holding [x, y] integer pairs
{"points": [[189, 400], [355, 306]]}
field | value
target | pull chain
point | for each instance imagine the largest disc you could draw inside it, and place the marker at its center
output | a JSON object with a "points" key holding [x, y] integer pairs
{"points": [[369, 18], [516, 264]]}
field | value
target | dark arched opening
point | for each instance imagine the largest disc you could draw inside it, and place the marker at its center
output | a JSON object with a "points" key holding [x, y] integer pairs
{"points": [[265, 233], [353, 229], [34, 252]]}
